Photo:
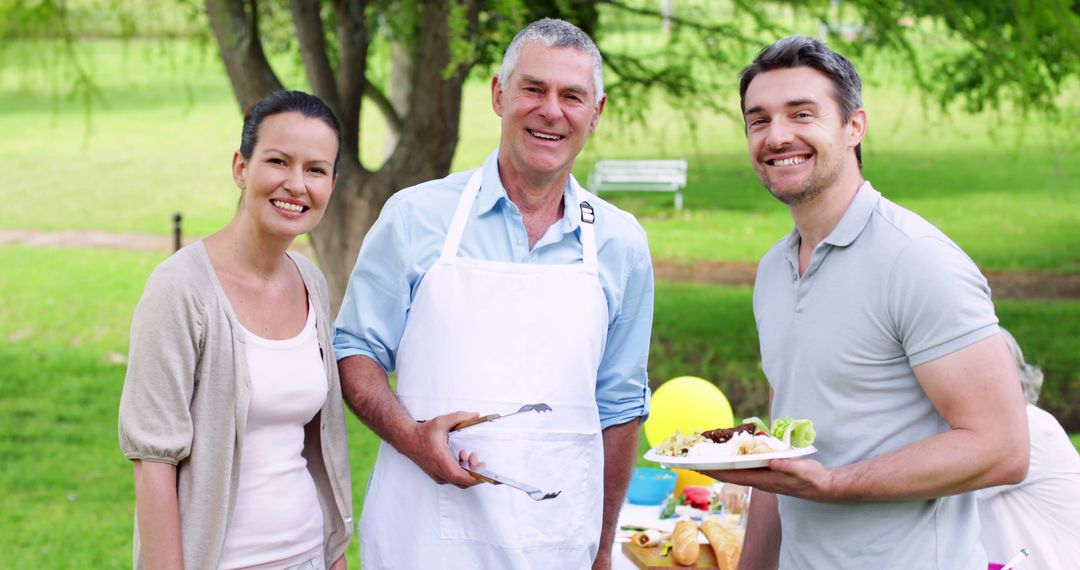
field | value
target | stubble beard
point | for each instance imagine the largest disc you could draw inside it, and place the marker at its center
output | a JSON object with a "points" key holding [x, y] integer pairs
{"points": [[814, 185]]}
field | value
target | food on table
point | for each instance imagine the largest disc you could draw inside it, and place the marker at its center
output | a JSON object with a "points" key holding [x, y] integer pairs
{"points": [[691, 497], [754, 436], [725, 544], [698, 497], [650, 537], [685, 549]]}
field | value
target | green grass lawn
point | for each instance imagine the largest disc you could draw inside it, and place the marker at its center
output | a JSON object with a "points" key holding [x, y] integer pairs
{"points": [[64, 317], [68, 496]]}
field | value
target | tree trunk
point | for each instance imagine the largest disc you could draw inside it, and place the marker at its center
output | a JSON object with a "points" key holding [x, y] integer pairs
{"points": [[236, 30], [424, 151], [400, 90], [429, 122]]}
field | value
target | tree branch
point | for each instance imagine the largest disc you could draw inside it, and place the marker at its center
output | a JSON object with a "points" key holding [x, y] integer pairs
{"points": [[354, 38], [309, 32], [236, 31], [382, 102], [728, 30]]}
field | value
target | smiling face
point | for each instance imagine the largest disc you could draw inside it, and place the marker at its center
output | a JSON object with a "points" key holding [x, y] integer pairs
{"points": [[799, 143], [289, 176], [548, 109]]}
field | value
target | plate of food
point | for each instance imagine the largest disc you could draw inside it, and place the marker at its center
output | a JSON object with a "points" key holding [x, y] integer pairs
{"points": [[746, 446]]}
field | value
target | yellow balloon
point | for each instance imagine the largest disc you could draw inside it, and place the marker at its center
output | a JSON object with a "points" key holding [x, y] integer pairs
{"points": [[686, 404]]}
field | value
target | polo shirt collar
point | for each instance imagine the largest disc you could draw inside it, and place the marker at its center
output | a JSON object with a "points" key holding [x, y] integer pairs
{"points": [[492, 193], [855, 218]]}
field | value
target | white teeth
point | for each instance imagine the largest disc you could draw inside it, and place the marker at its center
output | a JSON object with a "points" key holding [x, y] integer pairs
{"points": [[287, 206], [546, 136], [790, 161]]}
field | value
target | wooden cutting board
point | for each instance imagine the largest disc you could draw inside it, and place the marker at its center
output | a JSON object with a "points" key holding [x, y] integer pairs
{"points": [[648, 558]]}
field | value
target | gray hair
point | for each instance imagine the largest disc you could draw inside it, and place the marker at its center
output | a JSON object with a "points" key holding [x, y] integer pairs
{"points": [[558, 34], [1031, 377], [801, 51]]}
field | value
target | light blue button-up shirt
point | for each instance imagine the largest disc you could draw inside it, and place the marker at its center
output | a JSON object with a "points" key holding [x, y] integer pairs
{"points": [[408, 237]]}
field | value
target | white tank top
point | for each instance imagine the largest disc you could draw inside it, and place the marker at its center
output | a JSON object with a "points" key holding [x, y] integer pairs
{"points": [[277, 520]]}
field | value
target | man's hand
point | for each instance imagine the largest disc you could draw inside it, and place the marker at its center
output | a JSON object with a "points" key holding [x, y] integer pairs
{"points": [[986, 445], [804, 478], [427, 445]]}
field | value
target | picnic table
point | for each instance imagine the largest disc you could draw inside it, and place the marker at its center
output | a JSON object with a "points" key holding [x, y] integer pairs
{"points": [[627, 556]]}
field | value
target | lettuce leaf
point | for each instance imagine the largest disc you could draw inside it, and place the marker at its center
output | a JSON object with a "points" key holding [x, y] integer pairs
{"points": [[797, 433], [759, 424]]}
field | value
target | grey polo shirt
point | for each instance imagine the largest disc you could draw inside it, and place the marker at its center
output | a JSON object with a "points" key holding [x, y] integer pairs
{"points": [[884, 292]]}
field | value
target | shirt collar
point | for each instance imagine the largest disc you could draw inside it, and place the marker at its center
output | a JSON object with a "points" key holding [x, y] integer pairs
{"points": [[855, 218], [850, 226], [492, 192]]}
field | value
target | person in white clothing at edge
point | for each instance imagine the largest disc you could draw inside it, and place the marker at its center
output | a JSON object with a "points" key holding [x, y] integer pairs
{"points": [[486, 290], [1042, 513], [231, 410], [878, 328]]}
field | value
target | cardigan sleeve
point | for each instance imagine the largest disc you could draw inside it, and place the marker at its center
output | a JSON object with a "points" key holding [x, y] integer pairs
{"points": [[166, 330]]}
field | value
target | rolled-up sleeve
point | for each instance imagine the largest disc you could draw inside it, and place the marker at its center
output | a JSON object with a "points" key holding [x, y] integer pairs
{"points": [[155, 418], [373, 311], [622, 383]]}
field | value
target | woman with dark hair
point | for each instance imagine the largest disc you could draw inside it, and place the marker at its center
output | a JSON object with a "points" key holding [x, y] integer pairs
{"points": [[231, 410]]}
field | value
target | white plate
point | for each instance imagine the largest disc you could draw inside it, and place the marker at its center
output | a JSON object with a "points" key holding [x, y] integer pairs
{"points": [[723, 463]]}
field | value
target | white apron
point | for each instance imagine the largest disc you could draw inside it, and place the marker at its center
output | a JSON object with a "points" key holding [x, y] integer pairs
{"points": [[490, 336]]}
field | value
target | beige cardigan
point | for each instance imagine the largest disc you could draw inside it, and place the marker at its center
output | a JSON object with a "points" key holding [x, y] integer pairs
{"points": [[186, 396]]}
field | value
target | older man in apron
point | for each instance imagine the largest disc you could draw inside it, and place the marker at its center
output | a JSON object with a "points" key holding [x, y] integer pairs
{"points": [[502, 286]]}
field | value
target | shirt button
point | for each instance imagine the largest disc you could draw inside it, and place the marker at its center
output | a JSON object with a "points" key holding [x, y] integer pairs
{"points": [[348, 520]]}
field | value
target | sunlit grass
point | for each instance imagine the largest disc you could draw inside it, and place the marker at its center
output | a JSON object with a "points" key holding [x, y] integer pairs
{"points": [[64, 318]]}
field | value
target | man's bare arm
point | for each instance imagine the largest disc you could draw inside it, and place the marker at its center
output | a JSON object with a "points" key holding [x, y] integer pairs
{"points": [[976, 390], [367, 391], [761, 545], [620, 450]]}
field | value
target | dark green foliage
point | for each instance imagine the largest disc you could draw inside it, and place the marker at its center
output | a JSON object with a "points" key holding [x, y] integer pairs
{"points": [[985, 53]]}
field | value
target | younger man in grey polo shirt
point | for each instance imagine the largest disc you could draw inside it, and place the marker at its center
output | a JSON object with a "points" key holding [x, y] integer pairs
{"points": [[877, 327]]}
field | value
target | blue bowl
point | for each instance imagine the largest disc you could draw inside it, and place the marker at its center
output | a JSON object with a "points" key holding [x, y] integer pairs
{"points": [[650, 485]]}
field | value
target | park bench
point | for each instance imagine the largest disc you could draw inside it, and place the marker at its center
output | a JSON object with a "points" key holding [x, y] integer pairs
{"points": [[640, 175]]}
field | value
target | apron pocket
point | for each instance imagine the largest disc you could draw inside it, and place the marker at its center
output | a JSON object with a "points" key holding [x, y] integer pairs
{"points": [[506, 517]]}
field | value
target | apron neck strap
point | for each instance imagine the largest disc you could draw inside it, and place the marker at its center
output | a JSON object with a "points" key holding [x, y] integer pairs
{"points": [[468, 197], [461, 215]]}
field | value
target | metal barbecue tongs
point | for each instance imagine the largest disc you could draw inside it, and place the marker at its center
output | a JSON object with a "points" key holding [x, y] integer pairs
{"points": [[538, 408], [487, 476]]}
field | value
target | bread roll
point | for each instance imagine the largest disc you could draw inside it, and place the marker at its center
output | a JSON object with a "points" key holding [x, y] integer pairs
{"points": [[684, 543], [725, 545]]}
